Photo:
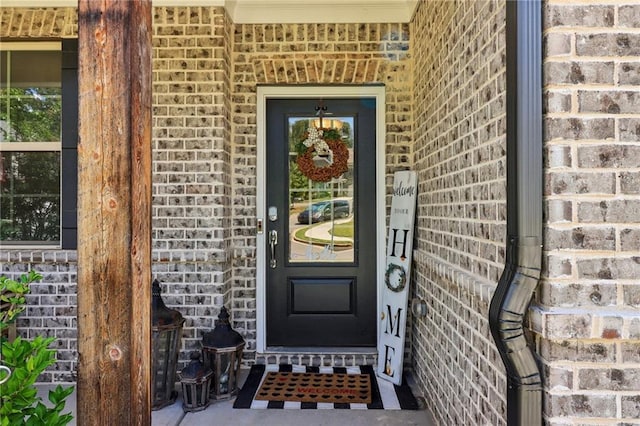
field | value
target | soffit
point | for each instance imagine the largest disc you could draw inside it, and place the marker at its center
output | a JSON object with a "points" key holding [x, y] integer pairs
{"points": [[280, 11]]}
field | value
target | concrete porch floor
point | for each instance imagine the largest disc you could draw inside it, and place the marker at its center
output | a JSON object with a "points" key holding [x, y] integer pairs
{"points": [[223, 413]]}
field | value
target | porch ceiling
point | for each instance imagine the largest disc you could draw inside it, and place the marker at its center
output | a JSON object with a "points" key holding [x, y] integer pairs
{"points": [[280, 11]]}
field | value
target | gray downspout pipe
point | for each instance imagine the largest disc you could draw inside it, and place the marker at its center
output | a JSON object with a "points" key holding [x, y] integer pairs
{"points": [[523, 261]]}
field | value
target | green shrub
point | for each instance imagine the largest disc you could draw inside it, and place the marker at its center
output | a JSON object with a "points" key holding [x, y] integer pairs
{"points": [[27, 359]]}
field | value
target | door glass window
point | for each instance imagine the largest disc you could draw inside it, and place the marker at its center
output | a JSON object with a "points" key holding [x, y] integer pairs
{"points": [[321, 196]]}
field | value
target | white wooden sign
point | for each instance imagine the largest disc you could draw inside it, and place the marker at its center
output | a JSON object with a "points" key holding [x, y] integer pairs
{"points": [[395, 293]]}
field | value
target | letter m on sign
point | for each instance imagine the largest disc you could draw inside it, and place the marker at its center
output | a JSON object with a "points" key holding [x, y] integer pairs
{"points": [[390, 324]]}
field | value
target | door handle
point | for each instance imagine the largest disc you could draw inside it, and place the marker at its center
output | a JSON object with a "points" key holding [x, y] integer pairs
{"points": [[273, 242]]}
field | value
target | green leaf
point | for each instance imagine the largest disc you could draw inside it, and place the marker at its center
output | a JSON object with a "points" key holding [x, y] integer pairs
{"points": [[12, 292], [59, 394], [65, 419]]}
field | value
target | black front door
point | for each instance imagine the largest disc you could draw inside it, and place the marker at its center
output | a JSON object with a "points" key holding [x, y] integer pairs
{"points": [[321, 225]]}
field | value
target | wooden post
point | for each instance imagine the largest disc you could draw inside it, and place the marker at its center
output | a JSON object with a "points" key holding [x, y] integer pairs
{"points": [[114, 212]]}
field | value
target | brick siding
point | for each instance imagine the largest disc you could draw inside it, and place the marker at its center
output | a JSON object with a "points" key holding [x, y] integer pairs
{"points": [[51, 305], [587, 320], [191, 161], [460, 156]]}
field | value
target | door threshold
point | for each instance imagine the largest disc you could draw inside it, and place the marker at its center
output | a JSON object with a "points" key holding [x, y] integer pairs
{"points": [[322, 350]]}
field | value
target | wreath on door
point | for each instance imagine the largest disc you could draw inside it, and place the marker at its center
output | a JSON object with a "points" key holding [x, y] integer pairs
{"points": [[322, 155]]}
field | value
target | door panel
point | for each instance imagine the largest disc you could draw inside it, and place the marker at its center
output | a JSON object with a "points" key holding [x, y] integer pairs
{"points": [[319, 296], [321, 267]]}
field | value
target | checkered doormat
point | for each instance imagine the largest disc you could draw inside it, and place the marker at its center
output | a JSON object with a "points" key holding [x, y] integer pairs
{"points": [[384, 395]]}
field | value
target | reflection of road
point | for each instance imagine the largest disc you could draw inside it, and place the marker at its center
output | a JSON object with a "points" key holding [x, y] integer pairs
{"points": [[322, 231], [306, 251]]}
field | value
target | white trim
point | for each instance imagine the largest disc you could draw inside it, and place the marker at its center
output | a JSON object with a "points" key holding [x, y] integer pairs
{"points": [[9, 245], [30, 45], [325, 11], [280, 11], [275, 92], [30, 146], [74, 3]]}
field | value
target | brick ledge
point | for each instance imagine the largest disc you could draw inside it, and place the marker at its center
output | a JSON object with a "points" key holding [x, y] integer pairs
{"points": [[482, 289], [580, 323]]}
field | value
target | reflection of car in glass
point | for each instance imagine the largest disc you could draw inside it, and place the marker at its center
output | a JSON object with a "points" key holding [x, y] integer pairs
{"points": [[321, 211]]}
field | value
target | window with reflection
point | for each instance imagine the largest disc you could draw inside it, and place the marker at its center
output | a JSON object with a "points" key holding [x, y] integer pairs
{"points": [[321, 189], [31, 143]]}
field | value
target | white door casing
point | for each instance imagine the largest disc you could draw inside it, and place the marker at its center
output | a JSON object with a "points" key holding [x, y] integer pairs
{"points": [[271, 92]]}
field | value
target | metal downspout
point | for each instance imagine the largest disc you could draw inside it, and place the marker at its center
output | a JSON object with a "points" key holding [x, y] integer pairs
{"points": [[524, 212]]}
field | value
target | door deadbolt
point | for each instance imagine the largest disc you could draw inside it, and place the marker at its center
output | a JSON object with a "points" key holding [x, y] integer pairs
{"points": [[273, 213]]}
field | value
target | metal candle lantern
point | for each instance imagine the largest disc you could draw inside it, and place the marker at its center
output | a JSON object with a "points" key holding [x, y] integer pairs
{"points": [[166, 332], [196, 383], [222, 352]]}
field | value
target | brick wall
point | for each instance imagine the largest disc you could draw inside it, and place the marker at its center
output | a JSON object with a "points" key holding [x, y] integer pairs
{"points": [[588, 322], [51, 306], [302, 54], [459, 50], [191, 161], [38, 23]]}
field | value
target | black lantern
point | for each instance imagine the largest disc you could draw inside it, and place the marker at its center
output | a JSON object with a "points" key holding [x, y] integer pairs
{"points": [[222, 352], [196, 382], [166, 332]]}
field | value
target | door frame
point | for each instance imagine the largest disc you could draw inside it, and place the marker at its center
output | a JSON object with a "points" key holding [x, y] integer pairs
{"points": [[326, 92]]}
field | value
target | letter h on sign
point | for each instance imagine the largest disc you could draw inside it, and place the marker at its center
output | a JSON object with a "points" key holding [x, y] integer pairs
{"points": [[395, 243]]}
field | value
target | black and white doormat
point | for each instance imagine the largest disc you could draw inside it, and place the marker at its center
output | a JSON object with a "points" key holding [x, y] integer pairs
{"points": [[385, 395]]}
